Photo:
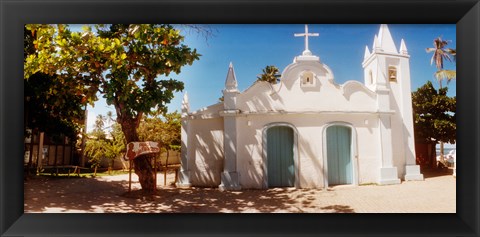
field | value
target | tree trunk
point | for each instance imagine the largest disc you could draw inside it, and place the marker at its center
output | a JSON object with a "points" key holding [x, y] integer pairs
{"points": [[145, 172], [142, 164], [440, 163], [433, 157], [442, 152]]}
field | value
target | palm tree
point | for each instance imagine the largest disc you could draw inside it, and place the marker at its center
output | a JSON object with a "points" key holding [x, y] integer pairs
{"points": [[440, 53], [270, 74]]}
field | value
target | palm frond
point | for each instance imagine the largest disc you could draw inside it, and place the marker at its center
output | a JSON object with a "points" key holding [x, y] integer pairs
{"points": [[269, 74], [440, 53], [446, 75], [452, 52]]}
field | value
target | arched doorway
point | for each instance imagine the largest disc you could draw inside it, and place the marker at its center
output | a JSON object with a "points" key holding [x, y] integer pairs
{"points": [[339, 155], [280, 156]]}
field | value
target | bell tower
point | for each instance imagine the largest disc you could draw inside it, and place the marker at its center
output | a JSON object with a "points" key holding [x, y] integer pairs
{"points": [[387, 72]]}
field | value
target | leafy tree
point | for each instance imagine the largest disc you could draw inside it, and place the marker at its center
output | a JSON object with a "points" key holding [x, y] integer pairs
{"points": [[96, 145], [434, 115], [118, 140], [269, 74], [123, 63], [100, 146], [174, 124], [162, 129], [49, 104]]}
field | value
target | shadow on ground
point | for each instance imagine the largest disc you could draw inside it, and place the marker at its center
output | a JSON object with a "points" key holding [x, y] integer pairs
{"points": [[338, 209], [53, 194], [62, 194], [436, 172]]}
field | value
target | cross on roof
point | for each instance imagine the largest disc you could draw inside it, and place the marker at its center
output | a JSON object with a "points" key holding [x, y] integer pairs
{"points": [[306, 34]]}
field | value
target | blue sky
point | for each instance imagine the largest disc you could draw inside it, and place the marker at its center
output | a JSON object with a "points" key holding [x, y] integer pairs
{"points": [[252, 47]]}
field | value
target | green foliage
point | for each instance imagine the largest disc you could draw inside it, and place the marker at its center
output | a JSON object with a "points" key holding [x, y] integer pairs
{"points": [[269, 74], [95, 150], [99, 146], [163, 129], [120, 61], [434, 114], [118, 145], [51, 105]]}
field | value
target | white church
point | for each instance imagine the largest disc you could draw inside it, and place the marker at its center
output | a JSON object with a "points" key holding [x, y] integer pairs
{"points": [[306, 131]]}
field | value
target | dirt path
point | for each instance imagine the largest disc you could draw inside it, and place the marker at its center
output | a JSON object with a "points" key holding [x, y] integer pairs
{"points": [[109, 194]]}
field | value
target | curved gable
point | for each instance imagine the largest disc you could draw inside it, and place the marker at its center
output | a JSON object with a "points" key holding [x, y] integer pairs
{"points": [[260, 97]]}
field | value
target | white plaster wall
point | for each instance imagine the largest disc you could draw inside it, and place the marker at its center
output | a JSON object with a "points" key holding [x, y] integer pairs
{"points": [[259, 97], [289, 96], [398, 145], [250, 163], [206, 151], [370, 66], [369, 161], [249, 152], [209, 112], [407, 111]]}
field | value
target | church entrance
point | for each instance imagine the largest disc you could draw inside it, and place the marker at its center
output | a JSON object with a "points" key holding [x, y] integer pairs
{"points": [[339, 155], [280, 157]]}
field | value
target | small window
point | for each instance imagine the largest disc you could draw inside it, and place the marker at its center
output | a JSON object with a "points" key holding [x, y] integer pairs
{"points": [[308, 79], [392, 73]]}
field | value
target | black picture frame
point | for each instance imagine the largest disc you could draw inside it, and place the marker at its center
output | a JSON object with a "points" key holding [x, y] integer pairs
{"points": [[14, 14]]}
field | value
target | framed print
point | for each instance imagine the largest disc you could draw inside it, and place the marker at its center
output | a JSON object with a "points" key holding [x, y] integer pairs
{"points": [[465, 222]]}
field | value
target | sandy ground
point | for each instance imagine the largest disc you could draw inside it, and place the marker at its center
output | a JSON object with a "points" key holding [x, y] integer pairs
{"points": [[109, 194]]}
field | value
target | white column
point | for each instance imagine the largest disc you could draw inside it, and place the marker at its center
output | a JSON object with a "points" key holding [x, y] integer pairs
{"points": [[388, 172], [412, 170], [229, 175], [184, 174]]}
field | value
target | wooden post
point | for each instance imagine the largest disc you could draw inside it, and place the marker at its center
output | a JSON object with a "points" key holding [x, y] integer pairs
{"points": [[84, 136], [63, 151], [155, 170], [30, 162], [56, 154], [130, 176], [165, 171], [176, 175], [40, 153]]}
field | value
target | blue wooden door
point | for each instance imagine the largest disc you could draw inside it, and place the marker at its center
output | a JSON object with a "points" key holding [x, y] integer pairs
{"points": [[281, 167], [339, 155]]}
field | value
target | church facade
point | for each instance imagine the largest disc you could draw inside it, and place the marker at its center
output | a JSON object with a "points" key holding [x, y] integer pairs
{"points": [[306, 131]]}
